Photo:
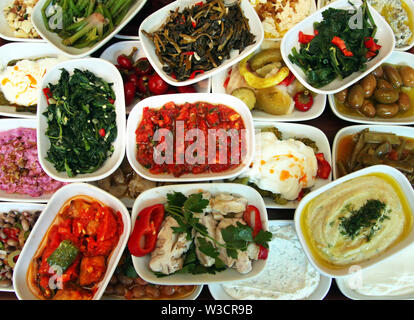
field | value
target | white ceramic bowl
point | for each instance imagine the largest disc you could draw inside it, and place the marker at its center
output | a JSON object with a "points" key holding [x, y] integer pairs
{"points": [[158, 195], [319, 293], [55, 40], [156, 20], [258, 115], [5, 31], [20, 207], [338, 271], [24, 50], [396, 58], [124, 47], [410, 5], [107, 72], [8, 124], [384, 35], [296, 130], [44, 222], [135, 117], [403, 131]]}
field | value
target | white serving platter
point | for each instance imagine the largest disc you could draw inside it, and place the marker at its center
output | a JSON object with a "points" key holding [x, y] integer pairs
{"points": [[44, 222], [396, 58], [135, 118], [158, 195], [292, 130], [125, 47], [24, 50], [319, 293], [384, 35], [55, 40], [156, 20], [19, 206], [403, 131], [110, 74]]}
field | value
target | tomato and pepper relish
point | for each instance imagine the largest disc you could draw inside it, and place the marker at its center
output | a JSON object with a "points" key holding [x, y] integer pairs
{"points": [[179, 119]]}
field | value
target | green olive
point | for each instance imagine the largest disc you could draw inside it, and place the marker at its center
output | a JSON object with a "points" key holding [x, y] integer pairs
{"points": [[404, 102], [386, 95], [369, 83], [368, 109], [393, 76], [387, 110], [355, 97], [407, 75], [341, 95], [378, 72], [381, 83]]}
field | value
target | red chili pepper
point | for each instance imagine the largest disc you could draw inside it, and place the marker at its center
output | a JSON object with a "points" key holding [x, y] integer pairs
{"points": [[195, 73], [193, 22], [124, 62], [111, 101], [102, 132], [252, 213], [324, 168], [305, 38], [129, 91], [263, 253], [11, 233], [143, 67], [157, 85], [199, 3], [188, 53], [47, 93], [226, 82], [300, 195], [371, 44], [303, 101], [288, 80], [144, 236], [342, 46], [186, 89], [393, 155], [370, 54]]}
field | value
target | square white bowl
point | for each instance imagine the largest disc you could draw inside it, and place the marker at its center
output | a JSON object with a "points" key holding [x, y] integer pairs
{"points": [[157, 102], [6, 32], [157, 19], [124, 47], [296, 130], [110, 74], [158, 195], [19, 206], [337, 272], [55, 40], [44, 223], [319, 293], [24, 50], [396, 58], [384, 35], [402, 131], [319, 104], [8, 124]]}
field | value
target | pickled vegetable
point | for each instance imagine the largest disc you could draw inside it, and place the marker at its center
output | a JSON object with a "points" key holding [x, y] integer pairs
{"points": [[246, 95], [274, 100], [64, 255]]}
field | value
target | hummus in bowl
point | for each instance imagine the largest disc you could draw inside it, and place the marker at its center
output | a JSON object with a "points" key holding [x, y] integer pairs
{"points": [[357, 220]]}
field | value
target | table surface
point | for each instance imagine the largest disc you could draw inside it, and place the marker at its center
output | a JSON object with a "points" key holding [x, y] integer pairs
{"points": [[327, 122]]}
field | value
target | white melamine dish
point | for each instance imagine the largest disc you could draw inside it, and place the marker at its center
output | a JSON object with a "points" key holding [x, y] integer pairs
{"points": [[135, 118], [44, 222], [6, 32], [396, 58], [73, 52], [8, 124], [258, 115], [296, 130], [22, 50], [403, 131], [19, 206], [158, 195], [320, 292], [124, 47], [157, 19], [337, 272], [384, 35], [110, 74]]}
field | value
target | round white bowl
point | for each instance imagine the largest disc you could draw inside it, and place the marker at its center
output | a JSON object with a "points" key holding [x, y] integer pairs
{"points": [[135, 118], [108, 72], [44, 222], [338, 272]]}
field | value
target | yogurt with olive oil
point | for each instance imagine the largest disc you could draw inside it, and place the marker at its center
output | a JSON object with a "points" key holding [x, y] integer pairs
{"points": [[288, 275]]}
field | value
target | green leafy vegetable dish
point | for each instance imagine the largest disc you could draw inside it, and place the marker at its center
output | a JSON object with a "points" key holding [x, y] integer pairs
{"points": [[82, 23], [342, 43], [81, 122]]}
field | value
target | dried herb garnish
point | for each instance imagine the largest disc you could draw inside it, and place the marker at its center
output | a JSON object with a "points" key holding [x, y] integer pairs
{"points": [[366, 219], [200, 38]]}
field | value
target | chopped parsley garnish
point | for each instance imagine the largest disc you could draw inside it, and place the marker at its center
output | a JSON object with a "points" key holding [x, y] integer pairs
{"points": [[366, 219]]}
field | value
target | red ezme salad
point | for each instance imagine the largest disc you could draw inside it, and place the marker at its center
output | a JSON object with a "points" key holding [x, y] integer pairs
{"points": [[209, 119]]}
